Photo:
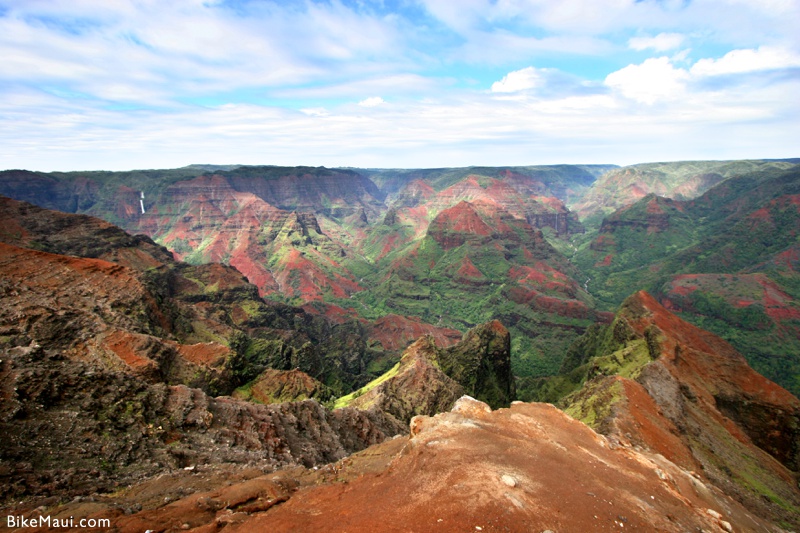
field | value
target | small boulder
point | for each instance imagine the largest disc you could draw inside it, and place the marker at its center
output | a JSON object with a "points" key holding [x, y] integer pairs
{"points": [[469, 407]]}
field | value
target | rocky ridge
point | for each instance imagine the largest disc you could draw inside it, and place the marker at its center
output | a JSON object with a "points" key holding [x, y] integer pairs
{"points": [[722, 260], [416, 385], [429, 378], [530, 468], [662, 384], [322, 236], [126, 297], [679, 180]]}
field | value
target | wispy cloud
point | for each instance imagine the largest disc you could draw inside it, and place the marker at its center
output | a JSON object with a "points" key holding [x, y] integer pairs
{"points": [[660, 43]]}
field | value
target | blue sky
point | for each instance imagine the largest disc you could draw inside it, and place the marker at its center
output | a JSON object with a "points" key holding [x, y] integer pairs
{"points": [[122, 84]]}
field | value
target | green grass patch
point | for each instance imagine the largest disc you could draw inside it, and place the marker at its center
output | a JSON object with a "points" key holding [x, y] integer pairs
{"points": [[595, 402], [345, 401]]}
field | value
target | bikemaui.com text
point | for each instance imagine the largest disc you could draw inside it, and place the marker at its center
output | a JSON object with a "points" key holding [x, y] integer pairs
{"points": [[47, 521]]}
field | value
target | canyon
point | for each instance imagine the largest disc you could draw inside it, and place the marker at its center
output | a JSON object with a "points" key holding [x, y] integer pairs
{"points": [[270, 347]]}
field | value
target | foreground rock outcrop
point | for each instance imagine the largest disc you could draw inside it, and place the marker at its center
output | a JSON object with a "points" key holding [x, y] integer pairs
{"points": [[111, 358], [481, 363], [72, 429], [526, 468]]}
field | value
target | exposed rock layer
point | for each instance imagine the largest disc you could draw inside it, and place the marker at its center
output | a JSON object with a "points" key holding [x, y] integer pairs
{"points": [[675, 389]]}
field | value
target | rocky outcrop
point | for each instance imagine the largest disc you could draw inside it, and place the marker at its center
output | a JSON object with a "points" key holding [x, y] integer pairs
{"points": [[472, 469], [453, 227], [114, 317], [30, 226], [517, 195], [278, 386], [675, 389], [395, 332], [131, 307], [428, 378], [415, 386], [481, 363], [652, 215], [113, 430]]}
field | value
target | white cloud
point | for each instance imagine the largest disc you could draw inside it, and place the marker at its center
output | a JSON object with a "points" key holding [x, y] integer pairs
{"points": [[372, 101], [655, 79], [519, 80], [462, 129], [660, 43], [496, 28], [747, 60]]}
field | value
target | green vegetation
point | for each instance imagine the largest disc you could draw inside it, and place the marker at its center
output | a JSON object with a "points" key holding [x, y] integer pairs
{"points": [[738, 227], [595, 402], [611, 350], [425, 281], [680, 180], [345, 401]]}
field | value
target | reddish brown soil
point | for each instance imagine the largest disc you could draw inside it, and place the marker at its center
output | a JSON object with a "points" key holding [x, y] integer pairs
{"points": [[450, 225], [708, 357], [275, 386], [123, 343], [469, 270], [699, 404], [204, 353], [643, 418], [528, 468], [396, 332], [299, 277]]}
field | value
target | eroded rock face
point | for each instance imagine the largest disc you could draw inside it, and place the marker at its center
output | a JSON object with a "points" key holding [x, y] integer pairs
{"points": [[652, 217], [470, 469], [277, 386], [511, 470], [73, 429], [108, 367], [428, 379], [481, 363], [125, 303], [395, 332], [417, 386], [684, 392]]}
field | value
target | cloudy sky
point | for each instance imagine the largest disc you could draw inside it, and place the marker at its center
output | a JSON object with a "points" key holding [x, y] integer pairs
{"points": [[122, 84]]}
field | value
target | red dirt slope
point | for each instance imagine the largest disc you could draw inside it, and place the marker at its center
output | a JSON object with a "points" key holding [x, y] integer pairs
{"points": [[527, 468]]}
